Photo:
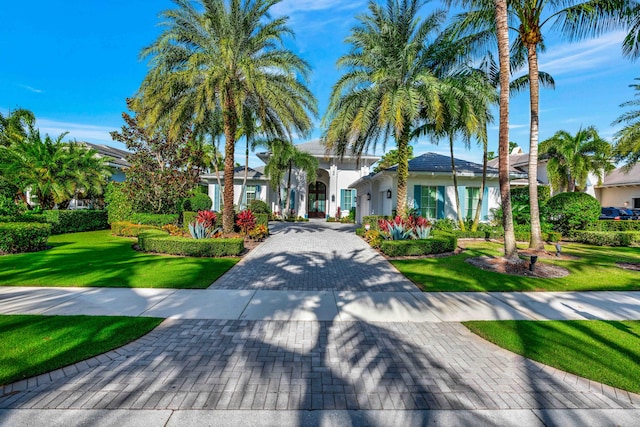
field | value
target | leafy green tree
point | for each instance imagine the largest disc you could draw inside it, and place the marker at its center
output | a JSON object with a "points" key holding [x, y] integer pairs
{"points": [[15, 125], [161, 175], [573, 157], [390, 158], [227, 58], [389, 85], [574, 19], [627, 139]]}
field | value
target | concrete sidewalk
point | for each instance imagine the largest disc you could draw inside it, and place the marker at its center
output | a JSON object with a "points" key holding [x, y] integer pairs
{"points": [[333, 305]]}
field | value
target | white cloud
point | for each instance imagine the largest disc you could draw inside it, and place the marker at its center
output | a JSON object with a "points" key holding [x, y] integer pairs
{"points": [[512, 126], [593, 54], [78, 131], [30, 88]]}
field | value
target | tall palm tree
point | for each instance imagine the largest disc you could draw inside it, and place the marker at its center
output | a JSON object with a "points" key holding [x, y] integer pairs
{"points": [[574, 19], [627, 139], [15, 125], [227, 56], [387, 87], [573, 157], [631, 43]]}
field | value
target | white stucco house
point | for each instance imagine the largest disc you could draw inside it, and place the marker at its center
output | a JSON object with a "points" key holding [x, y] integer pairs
{"points": [[620, 188]]}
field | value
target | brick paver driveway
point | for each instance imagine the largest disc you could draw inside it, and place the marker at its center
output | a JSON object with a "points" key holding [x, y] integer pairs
{"points": [[239, 364]]}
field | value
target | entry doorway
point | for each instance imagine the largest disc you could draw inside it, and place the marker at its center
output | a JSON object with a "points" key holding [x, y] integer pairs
{"points": [[317, 200]]}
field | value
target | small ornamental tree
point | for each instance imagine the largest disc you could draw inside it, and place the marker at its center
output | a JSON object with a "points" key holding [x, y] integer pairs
{"points": [[572, 211], [161, 175], [246, 220]]}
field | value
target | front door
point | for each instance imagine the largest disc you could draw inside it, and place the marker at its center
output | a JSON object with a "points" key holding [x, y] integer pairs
{"points": [[317, 198]]}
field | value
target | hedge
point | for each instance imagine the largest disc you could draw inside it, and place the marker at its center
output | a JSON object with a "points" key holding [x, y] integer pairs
{"points": [[551, 236], [436, 244], [160, 242], [607, 225], [372, 220], [17, 237], [24, 218], [129, 229], [606, 238], [73, 221], [119, 205], [157, 220], [479, 234], [188, 217]]}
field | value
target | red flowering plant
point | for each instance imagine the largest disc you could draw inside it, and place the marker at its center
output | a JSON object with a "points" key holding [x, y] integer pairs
{"points": [[246, 220], [204, 225], [412, 227]]}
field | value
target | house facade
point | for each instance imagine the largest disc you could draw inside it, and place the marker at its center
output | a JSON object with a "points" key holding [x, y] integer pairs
{"points": [[430, 189], [620, 188]]}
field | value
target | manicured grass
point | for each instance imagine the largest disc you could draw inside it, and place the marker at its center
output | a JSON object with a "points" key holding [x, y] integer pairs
{"points": [[32, 345], [603, 351], [97, 258], [595, 270]]}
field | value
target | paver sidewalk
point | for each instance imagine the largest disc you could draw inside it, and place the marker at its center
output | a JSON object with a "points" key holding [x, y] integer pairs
{"points": [[365, 351]]}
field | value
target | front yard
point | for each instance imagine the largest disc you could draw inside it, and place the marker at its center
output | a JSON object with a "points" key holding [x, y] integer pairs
{"points": [[97, 258], [593, 268]]}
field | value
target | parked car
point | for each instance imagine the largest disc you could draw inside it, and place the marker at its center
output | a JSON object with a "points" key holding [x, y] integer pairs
{"points": [[616, 214]]}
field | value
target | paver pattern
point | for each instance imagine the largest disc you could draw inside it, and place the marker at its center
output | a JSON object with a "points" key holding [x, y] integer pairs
{"points": [[314, 257], [217, 364]]}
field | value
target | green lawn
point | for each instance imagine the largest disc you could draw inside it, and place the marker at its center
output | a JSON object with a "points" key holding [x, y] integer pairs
{"points": [[594, 271], [32, 345], [98, 258], [603, 351]]}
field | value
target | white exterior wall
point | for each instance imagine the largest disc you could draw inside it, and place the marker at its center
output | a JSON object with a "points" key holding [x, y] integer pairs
{"points": [[212, 191], [617, 196]]}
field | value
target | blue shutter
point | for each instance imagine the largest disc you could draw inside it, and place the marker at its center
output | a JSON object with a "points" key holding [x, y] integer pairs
{"points": [[441, 198], [258, 195], [216, 197], [484, 213], [462, 194], [417, 198], [293, 200], [343, 202]]}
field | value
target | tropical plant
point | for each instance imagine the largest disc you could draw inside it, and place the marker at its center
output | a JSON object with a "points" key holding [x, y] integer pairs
{"points": [[390, 158], [572, 211], [388, 86], [246, 221], [404, 228], [627, 139], [203, 227], [574, 19], [571, 158], [259, 232], [15, 126], [631, 43], [226, 58]]}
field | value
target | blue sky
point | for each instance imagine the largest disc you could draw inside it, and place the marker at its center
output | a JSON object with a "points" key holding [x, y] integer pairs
{"points": [[74, 63]]}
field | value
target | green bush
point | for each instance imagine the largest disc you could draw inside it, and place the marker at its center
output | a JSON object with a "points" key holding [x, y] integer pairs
{"points": [[444, 224], [188, 217], [8, 206], [480, 234], [606, 238], [360, 231], [262, 219], [17, 237], [372, 220], [24, 218], [119, 205], [572, 211], [157, 220], [129, 229], [76, 220], [259, 207], [161, 242], [198, 202], [606, 225], [437, 244]]}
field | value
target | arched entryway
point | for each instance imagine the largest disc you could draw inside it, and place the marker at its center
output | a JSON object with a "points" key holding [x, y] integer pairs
{"points": [[317, 200]]}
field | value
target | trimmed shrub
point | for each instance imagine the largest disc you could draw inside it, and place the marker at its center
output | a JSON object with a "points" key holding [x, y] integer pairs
{"points": [[119, 205], [157, 220], [262, 218], [17, 237], [24, 218], [607, 238], [187, 218], [445, 224], [440, 243], [161, 242], [198, 202], [76, 221], [8, 206], [129, 229], [480, 234], [360, 231], [259, 207], [572, 211], [606, 225], [372, 220]]}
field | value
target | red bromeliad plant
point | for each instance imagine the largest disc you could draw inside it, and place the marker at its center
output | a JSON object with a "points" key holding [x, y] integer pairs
{"points": [[206, 218], [412, 227], [246, 220]]}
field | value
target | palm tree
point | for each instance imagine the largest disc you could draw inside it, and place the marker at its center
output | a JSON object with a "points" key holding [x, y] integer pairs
{"points": [[573, 157], [575, 20], [226, 56], [388, 87], [627, 139], [15, 125], [631, 43]]}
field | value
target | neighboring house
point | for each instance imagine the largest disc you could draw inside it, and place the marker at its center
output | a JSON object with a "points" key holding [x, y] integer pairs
{"points": [[116, 159], [620, 188], [430, 189], [257, 187], [519, 165]]}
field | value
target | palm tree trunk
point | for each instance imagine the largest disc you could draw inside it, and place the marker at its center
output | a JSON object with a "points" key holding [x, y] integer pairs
{"points": [[230, 127], [534, 87], [455, 185], [476, 219], [403, 173], [502, 28]]}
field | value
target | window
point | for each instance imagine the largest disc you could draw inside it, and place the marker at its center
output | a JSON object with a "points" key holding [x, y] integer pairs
{"points": [[347, 199], [250, 194], [636, 203], [471, 201], [429, 202]]}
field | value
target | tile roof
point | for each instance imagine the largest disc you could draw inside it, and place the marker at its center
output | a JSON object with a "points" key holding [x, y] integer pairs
{"points": [[620, 177], [238, 173], [317, 148], [116, 156], [432, 162]]}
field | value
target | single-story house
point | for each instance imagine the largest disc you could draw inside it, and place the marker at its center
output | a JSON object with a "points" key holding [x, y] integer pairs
{"points": [[257, 187], [430, 189], [519, 167], [620, 188]]}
